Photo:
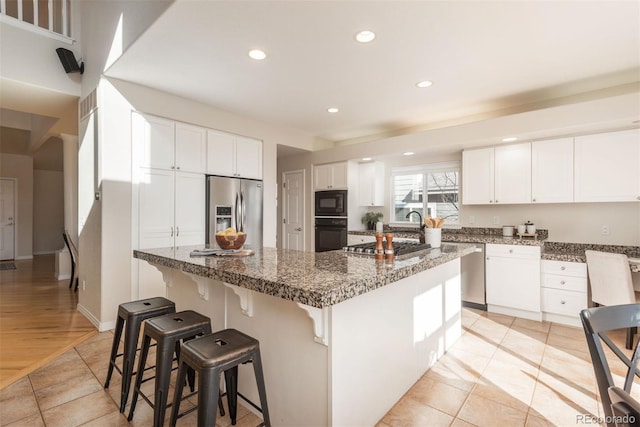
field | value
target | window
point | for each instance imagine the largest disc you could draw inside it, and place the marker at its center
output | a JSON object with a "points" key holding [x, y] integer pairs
{"points": [[428, 189]]}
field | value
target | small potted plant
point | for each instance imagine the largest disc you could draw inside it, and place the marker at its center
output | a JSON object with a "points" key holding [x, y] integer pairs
{"points": [[371, 218]]}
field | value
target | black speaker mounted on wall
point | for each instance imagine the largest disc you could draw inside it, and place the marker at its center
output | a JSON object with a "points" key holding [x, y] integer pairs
{"points": [[69, 62]]}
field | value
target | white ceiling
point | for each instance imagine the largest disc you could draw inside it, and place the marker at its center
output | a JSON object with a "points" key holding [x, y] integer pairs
{"points": [[482, 56]]}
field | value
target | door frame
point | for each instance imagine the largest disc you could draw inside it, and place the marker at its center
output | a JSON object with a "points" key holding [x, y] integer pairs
{"points": [[303, 201], [15, 213]]}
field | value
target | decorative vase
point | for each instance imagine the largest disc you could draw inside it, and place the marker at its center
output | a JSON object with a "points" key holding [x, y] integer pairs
{"points": [[433, 236]]}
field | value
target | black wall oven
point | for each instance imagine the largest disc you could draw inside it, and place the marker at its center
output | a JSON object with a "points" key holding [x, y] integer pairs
{"points": [[331, 203], [331, 234]]}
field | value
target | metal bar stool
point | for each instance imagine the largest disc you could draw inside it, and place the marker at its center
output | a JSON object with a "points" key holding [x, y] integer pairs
{"points": [[210, 355], [132, 314], [167, 331]]}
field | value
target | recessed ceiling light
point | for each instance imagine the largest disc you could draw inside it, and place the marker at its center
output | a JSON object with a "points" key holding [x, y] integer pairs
{"points": [[425, 83], [257, 54], [366, 159], [365, 36], [510, 139], [408, 153], [332, 110]]}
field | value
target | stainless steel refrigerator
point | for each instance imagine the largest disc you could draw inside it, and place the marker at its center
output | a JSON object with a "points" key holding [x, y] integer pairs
{"points": [[237, 203]]}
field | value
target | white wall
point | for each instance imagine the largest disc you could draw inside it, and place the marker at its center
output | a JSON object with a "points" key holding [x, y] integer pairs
{"points": [[48, 211], [21, 168]]}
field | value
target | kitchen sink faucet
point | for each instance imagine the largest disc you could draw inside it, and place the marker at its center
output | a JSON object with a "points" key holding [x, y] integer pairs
{"points": [[422, 226]]}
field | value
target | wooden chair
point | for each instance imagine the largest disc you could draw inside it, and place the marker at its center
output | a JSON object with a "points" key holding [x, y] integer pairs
{"points": [[73, 252], [611, 282], [598, 322]]}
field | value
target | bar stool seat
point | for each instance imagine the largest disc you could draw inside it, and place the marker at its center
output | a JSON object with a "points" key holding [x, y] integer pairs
{"points": [[168, 331], [210, 355], [132, 314]]}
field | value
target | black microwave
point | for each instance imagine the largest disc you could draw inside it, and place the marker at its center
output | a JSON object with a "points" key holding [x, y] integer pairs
{"points": [[331, 203]]}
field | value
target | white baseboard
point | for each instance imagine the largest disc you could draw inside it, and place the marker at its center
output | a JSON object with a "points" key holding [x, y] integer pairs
{"points": [[63, 277], [24, 257], [101, 326], [45, 252]]}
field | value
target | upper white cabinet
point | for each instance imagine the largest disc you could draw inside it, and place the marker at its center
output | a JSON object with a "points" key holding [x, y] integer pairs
{"points": [[513, 173], [497, 175], [190, 148], [371, 184], [331, 176], [607, 167], [165, 144], [552, 171], [478, 176], [233, 155]]}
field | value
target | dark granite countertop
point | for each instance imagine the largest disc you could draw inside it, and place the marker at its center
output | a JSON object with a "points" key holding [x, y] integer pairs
{"points": [[554, 251], [315, 279]]}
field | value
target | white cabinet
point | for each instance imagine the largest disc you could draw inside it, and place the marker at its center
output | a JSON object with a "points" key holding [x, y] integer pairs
{"points": [[564, 291], [190, 148], [497, 175], [171, 209], [607, 167], [478, 176], [513, 280], [331, 176], [371, 184], [513, 174], [165, 144], [233, 155], [552, 171]]}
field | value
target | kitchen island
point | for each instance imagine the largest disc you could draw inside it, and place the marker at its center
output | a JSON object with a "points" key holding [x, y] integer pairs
{"points": [[342, 336]]}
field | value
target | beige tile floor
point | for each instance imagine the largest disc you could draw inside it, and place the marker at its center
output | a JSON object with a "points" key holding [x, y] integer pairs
{"points": [[503, 371]]}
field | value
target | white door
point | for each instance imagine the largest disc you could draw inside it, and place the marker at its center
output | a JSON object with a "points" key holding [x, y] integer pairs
{"points": [[7, 219], [293, 211]]}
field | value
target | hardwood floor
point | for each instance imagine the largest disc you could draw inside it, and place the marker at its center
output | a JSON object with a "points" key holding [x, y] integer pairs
{"points": [[38, 318]]}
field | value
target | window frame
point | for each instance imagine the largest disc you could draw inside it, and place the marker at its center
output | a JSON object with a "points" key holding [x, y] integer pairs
{"points": [[424, 170]]}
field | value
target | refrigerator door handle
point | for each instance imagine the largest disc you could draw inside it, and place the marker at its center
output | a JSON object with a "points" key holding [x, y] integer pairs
{"points": [[237, 212], [243, 211]]}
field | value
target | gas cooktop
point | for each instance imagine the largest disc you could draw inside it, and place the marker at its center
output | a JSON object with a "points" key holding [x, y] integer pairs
{"points": [[399, 248]]}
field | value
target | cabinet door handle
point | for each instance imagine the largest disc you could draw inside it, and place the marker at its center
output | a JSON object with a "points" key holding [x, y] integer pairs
{"points": [[562, 282], [173, 167], [533, 200], [178, 167], [563, 268], [172, 231], [177, 231], [510, 251], [299, 229], [490, 201], [562, 302], [487, 258], [496, 200]]}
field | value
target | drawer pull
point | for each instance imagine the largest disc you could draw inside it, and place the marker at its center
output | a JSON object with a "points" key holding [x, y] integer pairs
{"points": [[510, 251], [562, 282], [563, 268], [562, 302]]}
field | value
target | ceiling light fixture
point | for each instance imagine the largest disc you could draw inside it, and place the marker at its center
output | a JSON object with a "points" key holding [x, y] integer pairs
{"points": [[510, 139], [365, 36], [408, 153], [257, 54], [366, 159], [332, 110], [424, 83]]}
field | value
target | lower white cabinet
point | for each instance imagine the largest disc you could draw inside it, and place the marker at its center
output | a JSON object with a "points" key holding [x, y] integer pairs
{"points": [[513, 280], [170, 213], [564, 291]]}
